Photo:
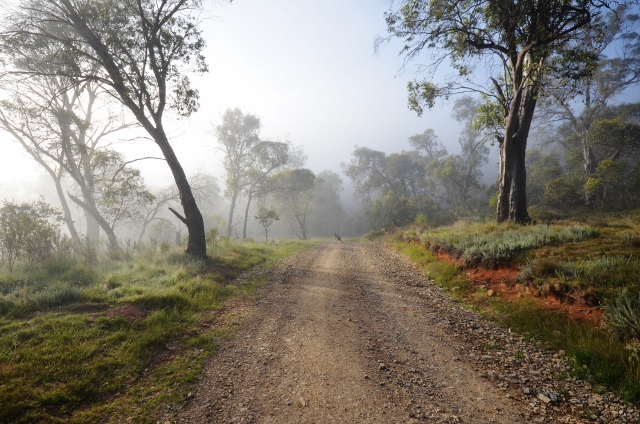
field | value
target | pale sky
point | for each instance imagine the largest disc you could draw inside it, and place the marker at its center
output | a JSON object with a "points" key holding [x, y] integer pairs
{"points": [[307, 69]]}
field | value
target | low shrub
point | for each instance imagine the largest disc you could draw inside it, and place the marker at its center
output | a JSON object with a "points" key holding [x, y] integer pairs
{"points": [[373, 234], [622, 316]]}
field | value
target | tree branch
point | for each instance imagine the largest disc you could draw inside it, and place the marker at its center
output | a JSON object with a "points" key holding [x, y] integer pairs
{"points": [[180, 217]]}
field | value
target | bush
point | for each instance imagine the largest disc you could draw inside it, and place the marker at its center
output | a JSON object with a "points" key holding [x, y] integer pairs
{"points": [[421, 222], [393, 210], [561, 194], [30, 229], [622, 316], [542, 213], [212, 236], [373, 234]]}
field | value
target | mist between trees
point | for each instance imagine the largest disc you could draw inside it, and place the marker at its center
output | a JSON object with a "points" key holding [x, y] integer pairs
{"points": [[77, 80]]}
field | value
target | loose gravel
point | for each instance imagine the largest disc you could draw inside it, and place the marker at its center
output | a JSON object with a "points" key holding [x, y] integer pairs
{"points": [[347, 332]]}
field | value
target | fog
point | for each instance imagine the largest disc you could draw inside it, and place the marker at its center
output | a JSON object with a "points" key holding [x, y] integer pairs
{"points": [[309, 72]]}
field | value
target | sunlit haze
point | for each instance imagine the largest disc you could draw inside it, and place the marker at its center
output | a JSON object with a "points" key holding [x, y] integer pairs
{"points": [[307, 69]]}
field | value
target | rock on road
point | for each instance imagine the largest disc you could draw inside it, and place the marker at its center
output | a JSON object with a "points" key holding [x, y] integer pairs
{"points": [[351, 333]]}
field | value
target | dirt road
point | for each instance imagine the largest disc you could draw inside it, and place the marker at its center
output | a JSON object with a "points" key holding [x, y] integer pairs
{"points": [[349, 333]]}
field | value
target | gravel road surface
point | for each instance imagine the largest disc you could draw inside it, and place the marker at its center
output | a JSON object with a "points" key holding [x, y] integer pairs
{"points": [[352, 333]]}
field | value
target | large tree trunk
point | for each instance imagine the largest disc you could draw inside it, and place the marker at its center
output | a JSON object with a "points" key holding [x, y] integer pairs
{"points": [[246, 216], [197, 245], [303, 227], [93, 228], [512, 201], [512, 183]]}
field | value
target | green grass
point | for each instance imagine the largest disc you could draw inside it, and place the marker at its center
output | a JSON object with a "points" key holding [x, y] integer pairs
{"points": [[445, 275], [602, 276], [64, 357]]}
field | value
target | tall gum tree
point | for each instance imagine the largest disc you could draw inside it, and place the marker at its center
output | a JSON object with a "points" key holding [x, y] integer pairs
{"points": [[268, 158], [511, 41], [138, 49], [238, 135], [292, 190]]}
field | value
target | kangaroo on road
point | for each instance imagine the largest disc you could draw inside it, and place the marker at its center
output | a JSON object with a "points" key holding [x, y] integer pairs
{"points": [[337, 237]]}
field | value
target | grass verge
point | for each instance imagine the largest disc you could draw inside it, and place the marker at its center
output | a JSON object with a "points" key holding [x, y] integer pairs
{"points": [[117, 341], [594, 353]]}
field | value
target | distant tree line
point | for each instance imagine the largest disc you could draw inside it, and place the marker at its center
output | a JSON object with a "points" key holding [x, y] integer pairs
{"points": [[272, 173], [425, 182]]}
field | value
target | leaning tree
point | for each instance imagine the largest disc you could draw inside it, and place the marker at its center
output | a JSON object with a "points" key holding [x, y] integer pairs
{"points": [[138, 49], [503, 49]]}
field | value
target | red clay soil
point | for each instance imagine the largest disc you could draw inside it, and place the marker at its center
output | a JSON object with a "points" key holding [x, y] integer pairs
{"points": [[503, 282], [131, 313]]}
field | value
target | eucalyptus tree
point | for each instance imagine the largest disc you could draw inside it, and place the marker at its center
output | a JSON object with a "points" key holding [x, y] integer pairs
{"points": [[615, 143], [542, 168], [238, 136], [428, 145], [138, 50], [120, 190], [504, 50], [266, 217], [462, 172], [375, 173], [293, 190], [268, 157], [327, 210], [30, 142]]}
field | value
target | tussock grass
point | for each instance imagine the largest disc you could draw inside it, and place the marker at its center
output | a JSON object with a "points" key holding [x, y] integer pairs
{"points": [[622, 316], [609, 270], [66, 357], [491, 244]]}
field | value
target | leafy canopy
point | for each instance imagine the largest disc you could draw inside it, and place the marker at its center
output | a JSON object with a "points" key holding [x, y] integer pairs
{"points": [[496, 38]]}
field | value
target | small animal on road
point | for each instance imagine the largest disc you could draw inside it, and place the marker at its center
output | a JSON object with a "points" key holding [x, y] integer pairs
{"points": [[337, 237]]}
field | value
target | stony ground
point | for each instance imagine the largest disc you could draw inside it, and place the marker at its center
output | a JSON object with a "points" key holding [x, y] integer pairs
{"points": [[351, 333]]}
